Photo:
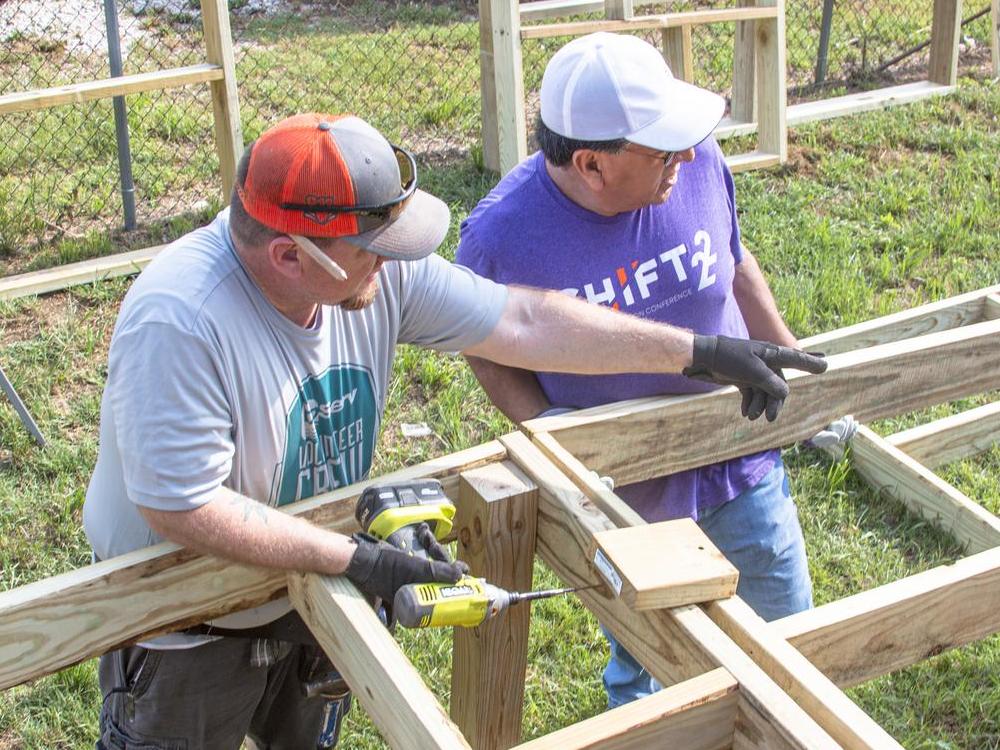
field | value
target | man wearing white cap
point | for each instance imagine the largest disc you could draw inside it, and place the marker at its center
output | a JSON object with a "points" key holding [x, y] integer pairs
{"points": [[249, 369], [629, 204]]}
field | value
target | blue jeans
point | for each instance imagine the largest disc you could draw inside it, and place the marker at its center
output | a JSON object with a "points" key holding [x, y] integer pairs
{"points": [[759, 532]]}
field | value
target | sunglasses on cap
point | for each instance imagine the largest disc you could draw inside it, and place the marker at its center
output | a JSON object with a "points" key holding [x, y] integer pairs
{"points": [[388, 211]]}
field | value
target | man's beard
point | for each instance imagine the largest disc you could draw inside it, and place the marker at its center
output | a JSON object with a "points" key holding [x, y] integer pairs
{"points": [[361, 300]]}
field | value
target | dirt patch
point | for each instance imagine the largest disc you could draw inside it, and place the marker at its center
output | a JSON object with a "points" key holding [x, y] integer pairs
{"points": [[46, 312]]}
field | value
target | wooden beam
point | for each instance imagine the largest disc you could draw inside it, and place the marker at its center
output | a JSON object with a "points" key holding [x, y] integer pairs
{"points": [[77, 93], [811, 689], [743, 106], [995, 36], [678, 52], [53, 623], [697, 714], [946, 28], [991, 310], [951, 439], [508, 83], [619, 10], [225, 96], [772, 130], [674, 644], [382, 679], [496, 537], [539, 10], [72, 274], [893, 626], [697, 572], [490, 126], [889, 469], [872, 383], [865, 101], [752, 160], [638, 23]]}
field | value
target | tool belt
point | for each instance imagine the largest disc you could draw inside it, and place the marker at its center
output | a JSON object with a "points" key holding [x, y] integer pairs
{"points": [[288, 628]]}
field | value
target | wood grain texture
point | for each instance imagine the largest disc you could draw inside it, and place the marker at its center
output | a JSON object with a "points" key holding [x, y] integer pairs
{"points": [[893, 626], [946, 28], [811, 689], [751, 160], [620, 10], [512, 134], [674, 644], [953, 438], [496, 537], [678, 52], [865, 101], [743, 106], [922, 491], [698, 714], [382, 679], [490, 129], [637, 23], [697, 572], [81, 272], [225, 96], [696, 430], [769, 43], [53, 623], [991, 306], [87, 91]]}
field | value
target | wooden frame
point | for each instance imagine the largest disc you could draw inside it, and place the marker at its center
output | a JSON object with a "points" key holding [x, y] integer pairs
{"points": [[759, 97], [504, 129], [734, 680]]}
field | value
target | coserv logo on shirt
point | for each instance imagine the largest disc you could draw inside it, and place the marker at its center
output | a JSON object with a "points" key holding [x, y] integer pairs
{"points": [[329, 435]]}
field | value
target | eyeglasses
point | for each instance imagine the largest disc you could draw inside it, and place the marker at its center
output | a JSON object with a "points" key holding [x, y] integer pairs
{"points": [[667, 157], [388, 211]]}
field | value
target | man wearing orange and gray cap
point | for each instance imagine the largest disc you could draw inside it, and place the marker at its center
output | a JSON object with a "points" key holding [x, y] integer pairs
{"points": [[248, 369]]}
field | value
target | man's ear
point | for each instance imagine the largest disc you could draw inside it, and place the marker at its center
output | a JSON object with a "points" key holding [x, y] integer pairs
{"points": [[283, 255], [588, 166]]}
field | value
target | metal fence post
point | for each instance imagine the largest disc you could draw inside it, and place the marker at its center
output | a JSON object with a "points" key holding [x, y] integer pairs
{"points": [[823, 54], [121, 117]]}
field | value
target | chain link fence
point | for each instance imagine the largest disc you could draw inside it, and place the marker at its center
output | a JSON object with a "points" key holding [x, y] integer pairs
{"points": [[411, 68]]}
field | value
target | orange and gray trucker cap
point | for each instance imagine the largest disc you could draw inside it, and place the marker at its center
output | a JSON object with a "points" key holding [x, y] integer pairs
{"points": [[336, 176]]}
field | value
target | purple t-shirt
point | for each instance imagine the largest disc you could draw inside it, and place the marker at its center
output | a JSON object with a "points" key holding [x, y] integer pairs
{"points": [[672, 263]]}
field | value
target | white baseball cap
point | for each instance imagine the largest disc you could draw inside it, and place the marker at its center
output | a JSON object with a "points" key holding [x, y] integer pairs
{"points": [[603, 86]]}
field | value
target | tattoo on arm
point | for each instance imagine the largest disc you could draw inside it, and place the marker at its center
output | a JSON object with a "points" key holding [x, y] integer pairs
{"points": [[251, 508]]}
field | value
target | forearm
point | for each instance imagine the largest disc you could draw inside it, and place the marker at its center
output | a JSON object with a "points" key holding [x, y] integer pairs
{"points": [[757, 305], [514, 392], [550, 331], [240, 529]]}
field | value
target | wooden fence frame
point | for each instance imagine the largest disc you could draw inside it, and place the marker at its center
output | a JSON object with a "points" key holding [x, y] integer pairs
{"points": [[759, 90], [734, 680]]}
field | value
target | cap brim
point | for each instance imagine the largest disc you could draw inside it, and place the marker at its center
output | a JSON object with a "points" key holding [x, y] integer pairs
{"points": [[693, 114], [418, 232]]}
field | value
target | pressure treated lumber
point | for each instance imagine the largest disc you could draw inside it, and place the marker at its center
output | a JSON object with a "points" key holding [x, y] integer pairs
{"points": [[835, 712], [638, 23], [769, 47], [901, 623], [496, 537], [504, 47], [698, 714], [697, 572], [77, 93], [225, 96], [743, 105], [889, 469], [678, 52], [991, 311], [53, 623], [82, 272], [751, 160], [865, 101], [382, 679], [626, 440], [946, 28], [953, 438], [618, 9], [995, 36], [674, 644], [541, 9]]}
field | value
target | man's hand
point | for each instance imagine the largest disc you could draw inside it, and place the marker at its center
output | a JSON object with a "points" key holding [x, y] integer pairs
{"points": [[835, 436], [752, 366], [379, 569]]}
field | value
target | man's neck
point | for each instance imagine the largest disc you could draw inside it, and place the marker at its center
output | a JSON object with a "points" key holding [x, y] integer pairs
{"points": [[574, 188], [302, 314]]}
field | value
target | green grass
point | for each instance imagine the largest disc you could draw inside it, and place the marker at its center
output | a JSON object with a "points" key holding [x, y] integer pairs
{"points": [[872, 214]]}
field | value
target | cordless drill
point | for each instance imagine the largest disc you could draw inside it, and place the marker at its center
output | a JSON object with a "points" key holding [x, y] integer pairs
{"points": [[393, 513]]}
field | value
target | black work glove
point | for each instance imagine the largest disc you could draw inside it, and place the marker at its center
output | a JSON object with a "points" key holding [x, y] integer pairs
{"points": [[752, 366], [379, 569]]}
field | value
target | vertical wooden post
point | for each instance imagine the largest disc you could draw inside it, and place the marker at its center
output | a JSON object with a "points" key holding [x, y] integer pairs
{"points": [[505, 135], [945, 30], [743, 106], [995, 37], [618, 10], [678, 53], [496, 536], [225, 97], [772, 130]]}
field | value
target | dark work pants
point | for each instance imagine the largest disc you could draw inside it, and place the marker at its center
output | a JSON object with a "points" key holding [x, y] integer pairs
{"points": [[207, 698]]}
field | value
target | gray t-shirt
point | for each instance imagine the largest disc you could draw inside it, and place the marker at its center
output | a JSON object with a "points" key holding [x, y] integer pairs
{"points": [[208, 385]]}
